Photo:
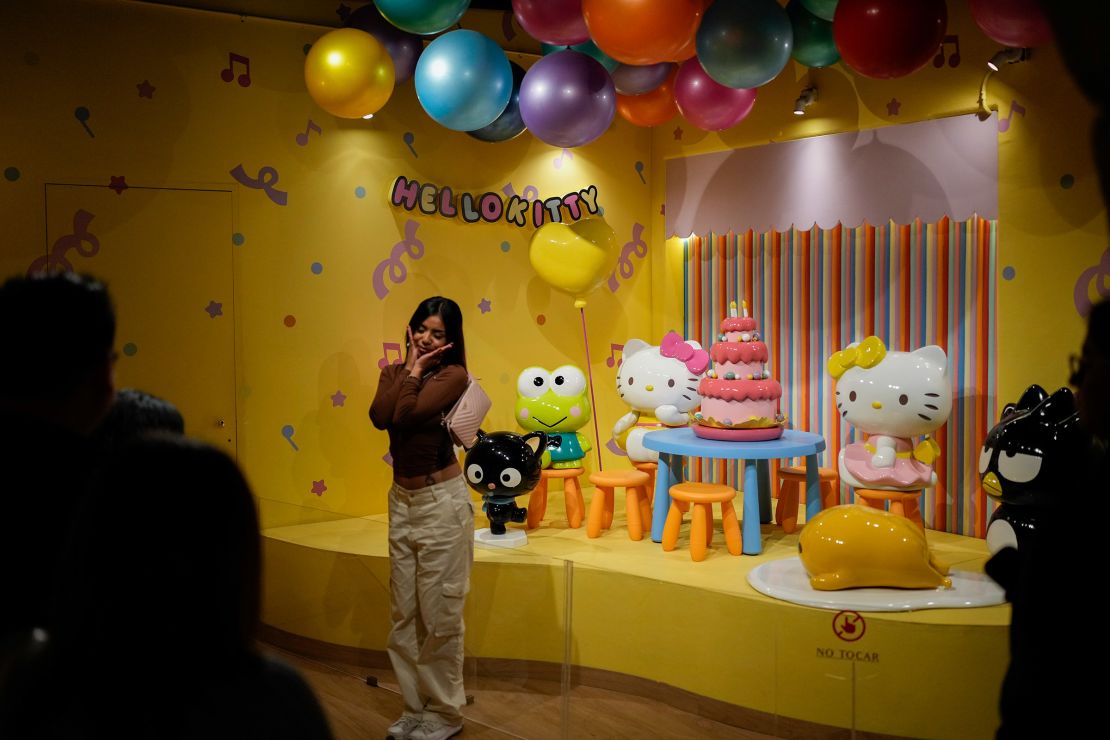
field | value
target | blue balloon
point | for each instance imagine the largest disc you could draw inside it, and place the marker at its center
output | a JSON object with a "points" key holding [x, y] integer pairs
{"points": [[424, 17], [463, 80], [744, 45], [509, 124]]}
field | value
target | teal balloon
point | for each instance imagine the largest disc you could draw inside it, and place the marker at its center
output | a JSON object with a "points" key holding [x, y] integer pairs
{"points": [[463, 80], [424, 17], [823, 9], [589, 48], [743, 45], [813, 37]]}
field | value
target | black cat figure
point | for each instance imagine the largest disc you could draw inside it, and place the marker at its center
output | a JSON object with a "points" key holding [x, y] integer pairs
{"points": [[502, 466], [1027, 460]]}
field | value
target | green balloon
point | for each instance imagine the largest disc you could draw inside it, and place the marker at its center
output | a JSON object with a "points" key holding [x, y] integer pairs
{"points": [[823, 9], [587, 47], [813, 37]]}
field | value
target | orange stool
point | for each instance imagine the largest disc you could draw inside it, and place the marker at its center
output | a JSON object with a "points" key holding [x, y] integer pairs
{"points": [[637, 508], [702, 496], [572, 497], [649, 468], [902, 503], [792, 480]]}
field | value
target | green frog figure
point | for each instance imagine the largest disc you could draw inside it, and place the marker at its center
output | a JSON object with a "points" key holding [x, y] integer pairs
{"points": [[556, 402]]}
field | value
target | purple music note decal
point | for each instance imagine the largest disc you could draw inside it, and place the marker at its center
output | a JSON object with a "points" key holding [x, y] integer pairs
{"points": [[612, 446], [1004, 123], [507, 25], [56, 261], [410, 139], [302, 139], [397, 270], [228, 74], [267, 178], [954, 59], [384, 359], [613, 350], [559, 161], [637, 246]]}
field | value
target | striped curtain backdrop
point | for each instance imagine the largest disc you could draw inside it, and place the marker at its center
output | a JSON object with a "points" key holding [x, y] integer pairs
{"points": [[814, 292]]}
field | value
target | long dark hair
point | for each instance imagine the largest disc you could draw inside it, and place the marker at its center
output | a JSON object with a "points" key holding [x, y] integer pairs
{"points": [[449, 311]]}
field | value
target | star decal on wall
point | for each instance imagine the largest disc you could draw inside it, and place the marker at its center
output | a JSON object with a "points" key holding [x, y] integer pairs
{"points": [[678, 133], [338, 398], [146, 90], [484, 305], [892, 107], [119, 184], [214, 309], [318, 487]]}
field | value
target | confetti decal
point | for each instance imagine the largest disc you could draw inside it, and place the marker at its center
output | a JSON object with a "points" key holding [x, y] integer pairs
{"points": [[11, 174], [541, 319], [56, 260], [409, 138], [130, 349], [397, 271], [1095, 280], [237, 239], [267, 178], [360, 192], [637, 246], [505, 246], [82, 115], [290, 321], [228, 74], [316, 268], [1067, 181], [287, 432], [1008, 273]]}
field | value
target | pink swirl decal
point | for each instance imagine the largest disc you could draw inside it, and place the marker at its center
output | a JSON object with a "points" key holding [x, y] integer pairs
{"points": [[1096, 277], [56, 261], [267, 178], [397, 270], [636, 246]]}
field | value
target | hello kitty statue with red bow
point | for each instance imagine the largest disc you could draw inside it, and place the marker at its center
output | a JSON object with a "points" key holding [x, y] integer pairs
{"points": [[661, 385]]}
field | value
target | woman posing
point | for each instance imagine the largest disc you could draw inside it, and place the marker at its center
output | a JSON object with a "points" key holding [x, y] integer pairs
{"points": [[431, 522]]}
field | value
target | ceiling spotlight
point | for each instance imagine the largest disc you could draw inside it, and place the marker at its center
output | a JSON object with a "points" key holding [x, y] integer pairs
{"points": [[806, 99], [1007, 56]]}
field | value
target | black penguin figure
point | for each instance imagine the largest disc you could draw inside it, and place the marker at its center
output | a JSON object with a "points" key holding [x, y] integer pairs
{"points": [[1026, 462], [502, 466]]}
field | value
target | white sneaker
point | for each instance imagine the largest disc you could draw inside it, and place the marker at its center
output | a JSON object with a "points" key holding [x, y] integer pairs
{"points": [[402, 728], [434, 729]]}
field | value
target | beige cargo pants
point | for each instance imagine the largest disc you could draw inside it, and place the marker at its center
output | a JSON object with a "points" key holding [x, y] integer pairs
{"points": [[431, 548]]}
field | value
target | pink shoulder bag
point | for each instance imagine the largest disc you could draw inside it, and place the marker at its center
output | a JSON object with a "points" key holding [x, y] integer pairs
{"points": [[464, 418]]}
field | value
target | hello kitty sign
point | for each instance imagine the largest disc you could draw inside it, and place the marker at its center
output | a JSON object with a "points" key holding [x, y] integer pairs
{"points": [[892, 397], [660, 383]]}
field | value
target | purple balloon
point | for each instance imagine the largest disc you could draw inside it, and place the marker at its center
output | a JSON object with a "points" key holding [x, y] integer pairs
{"points": [[631, 79], [403, 47], [706, 103], [567, 99], [557, 22]]}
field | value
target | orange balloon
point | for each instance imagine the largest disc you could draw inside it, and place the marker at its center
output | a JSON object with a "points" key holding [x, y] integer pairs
{"points": [[642, 31], [687, 51], [651, 108]]}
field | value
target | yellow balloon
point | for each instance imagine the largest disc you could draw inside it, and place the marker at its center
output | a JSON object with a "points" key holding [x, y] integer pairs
{"points": [[574, 257], [349, 73]]}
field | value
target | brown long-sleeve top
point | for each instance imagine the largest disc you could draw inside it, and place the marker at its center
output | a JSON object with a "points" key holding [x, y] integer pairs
{"points": [[411, 410]]}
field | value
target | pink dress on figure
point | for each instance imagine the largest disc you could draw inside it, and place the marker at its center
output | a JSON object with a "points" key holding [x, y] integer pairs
{"points": [[907, 472]]}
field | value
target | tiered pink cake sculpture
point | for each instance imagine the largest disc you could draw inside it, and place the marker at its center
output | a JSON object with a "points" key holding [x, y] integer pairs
{"points": [[740, 401]]}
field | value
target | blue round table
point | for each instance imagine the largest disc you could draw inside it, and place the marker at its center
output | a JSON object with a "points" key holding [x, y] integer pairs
{"points": [[675, 444]]}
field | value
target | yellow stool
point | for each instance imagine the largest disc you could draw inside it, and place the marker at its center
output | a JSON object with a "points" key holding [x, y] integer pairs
{"points": [[649, 468], [902, 503], [637, 508], [792, 480], [572, 497], [702, 496]]}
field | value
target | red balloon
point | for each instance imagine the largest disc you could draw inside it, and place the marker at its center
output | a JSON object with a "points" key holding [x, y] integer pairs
{"points": [[651, 108], [555, 22], [706, 103], [642, 31], [885, 39], [1012, 22]]}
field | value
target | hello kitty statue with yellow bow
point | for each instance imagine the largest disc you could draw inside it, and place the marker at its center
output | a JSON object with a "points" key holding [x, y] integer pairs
{"points": [[892, 397], [660, 383]]}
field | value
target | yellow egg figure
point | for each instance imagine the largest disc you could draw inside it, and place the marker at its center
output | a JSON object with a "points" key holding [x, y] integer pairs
{"points": [[855, 546], [574, 257], [349, 73]]}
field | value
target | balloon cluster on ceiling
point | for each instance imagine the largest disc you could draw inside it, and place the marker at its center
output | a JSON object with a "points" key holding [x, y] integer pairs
{"points": [[644, 59]]}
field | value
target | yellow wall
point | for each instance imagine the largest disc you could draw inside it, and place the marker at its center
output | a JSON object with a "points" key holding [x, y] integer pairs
{"points": [[195, 128], [1049, 234]]}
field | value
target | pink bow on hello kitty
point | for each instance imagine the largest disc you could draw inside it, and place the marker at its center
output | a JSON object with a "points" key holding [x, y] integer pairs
{"points": [[696, 360]]}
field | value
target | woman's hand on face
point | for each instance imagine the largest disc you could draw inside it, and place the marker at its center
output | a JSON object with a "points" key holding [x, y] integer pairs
{"points": [[428, 360], [413, 350]]}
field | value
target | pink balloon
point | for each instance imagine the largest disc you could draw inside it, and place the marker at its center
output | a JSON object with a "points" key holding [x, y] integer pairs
{"points": [[706, 103], [1012, 22], [555, 22]]}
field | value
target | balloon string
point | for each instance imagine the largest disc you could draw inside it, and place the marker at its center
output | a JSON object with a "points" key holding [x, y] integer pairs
{"points": [[590, 371]]}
